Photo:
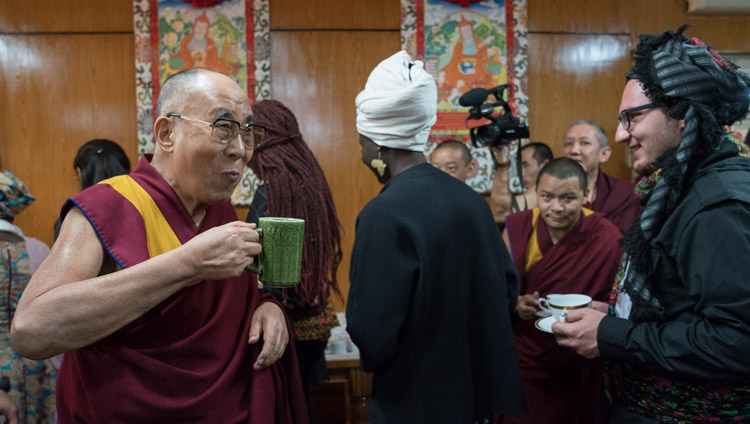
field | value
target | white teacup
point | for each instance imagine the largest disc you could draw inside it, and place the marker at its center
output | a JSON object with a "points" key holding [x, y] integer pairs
{"points": [[560, 304], [339, 347]]}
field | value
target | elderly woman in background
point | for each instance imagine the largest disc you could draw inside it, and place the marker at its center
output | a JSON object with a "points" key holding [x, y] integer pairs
{"points": [[29, 384]]}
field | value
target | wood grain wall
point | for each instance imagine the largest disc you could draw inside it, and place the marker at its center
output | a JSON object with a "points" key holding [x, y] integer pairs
{"points": [[67, 75]]}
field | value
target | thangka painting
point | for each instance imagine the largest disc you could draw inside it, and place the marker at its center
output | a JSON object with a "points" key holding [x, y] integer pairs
{"points": [[229, 36], [467, 44]]}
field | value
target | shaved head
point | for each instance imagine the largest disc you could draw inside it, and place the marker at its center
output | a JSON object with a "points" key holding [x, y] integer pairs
{"points": [[177, 86]]}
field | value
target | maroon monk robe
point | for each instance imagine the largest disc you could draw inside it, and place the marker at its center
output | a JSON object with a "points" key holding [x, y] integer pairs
{"points": [[560, 386], [616, 200], [186, 360]]}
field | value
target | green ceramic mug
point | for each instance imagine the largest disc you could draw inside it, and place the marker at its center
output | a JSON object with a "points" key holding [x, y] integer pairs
{"points": [[280, 261]]}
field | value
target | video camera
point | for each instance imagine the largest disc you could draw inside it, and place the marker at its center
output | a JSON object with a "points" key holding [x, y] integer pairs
{"points": [[503, 128]]}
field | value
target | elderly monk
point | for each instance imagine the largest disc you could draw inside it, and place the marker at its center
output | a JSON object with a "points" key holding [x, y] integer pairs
{"points": [[146, 289], [432, 284], [559, 247], [677, 334], [586, 143]]}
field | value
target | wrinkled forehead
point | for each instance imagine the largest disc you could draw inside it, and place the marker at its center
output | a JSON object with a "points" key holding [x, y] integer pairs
{"points": [[580, 131], [218, 96]]}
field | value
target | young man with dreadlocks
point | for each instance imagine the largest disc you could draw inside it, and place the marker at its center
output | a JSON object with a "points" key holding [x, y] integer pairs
{"points": [[294, 186], [677, 333]]}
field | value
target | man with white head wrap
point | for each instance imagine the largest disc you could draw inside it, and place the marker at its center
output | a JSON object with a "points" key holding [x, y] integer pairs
{"points": [[431, 280], [677, 333]]}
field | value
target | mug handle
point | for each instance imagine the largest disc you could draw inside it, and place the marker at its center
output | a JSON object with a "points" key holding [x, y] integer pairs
{"points": [[257, 269]]}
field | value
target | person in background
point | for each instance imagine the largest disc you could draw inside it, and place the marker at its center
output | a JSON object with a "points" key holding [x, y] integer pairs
{"points": [[146, 289], [502, 202], [294, 186], [676, 332], [95, 161], [552, 249], [30, 384], [432, 284], [586, 143], [453, 157]]}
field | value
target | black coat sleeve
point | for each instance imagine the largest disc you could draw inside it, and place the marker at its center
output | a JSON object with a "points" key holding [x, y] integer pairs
{"points": [[708, 333], [384, 268]]}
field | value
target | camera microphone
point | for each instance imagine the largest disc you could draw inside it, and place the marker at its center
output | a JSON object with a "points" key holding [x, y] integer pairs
{"points": [[473, 97]]}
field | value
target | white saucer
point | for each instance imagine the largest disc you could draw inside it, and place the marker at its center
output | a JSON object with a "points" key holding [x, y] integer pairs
{"points": [[542, 313], [545, 324]]}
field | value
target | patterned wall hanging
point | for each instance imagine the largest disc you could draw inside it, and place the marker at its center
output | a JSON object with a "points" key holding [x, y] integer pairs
{"points": [[467, 44], [228, 36]]}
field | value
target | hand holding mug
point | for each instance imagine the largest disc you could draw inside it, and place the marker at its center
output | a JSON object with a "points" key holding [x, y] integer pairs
{"points": [[527, 304], [580, 332], [221, 252], [560, 305]]}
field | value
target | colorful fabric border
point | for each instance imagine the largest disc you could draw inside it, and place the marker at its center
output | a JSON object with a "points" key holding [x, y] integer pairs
{"points": [[162, 31], [442, 22]]}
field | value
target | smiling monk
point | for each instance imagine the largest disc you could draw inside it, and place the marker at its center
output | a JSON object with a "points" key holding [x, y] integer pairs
{"points": [[569, 250]]}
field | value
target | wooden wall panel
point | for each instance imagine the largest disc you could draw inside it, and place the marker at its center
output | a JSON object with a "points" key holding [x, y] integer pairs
{"points": [[57, 92], [66, 16], [635, 17], [574, 77], [336, 14], [317, 75]]}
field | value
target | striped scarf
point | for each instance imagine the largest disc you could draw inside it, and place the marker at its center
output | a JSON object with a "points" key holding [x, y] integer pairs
{"points": [[676, 70]]}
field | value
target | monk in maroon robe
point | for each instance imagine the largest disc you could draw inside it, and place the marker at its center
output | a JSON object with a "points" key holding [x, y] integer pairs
{"points": [[146, 291], [586, 143], [615, 200], [561, 248]]}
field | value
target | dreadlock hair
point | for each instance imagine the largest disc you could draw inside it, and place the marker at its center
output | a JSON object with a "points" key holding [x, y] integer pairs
{"points": [[297, 188]]}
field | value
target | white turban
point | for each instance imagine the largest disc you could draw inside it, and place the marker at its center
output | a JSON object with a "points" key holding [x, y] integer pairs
{"points": [[398, 106]]}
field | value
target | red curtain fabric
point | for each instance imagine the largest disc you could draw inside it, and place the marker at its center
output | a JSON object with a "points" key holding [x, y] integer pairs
{"points": [[203, 3], [463, 3]]}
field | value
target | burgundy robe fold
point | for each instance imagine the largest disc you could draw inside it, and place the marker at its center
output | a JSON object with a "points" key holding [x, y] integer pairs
{"points": [[187, 359], [616, 200], [557, 380]]}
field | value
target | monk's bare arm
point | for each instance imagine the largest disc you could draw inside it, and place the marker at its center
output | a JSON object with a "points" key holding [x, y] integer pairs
{"points": [[501, 199], [71, 302]]}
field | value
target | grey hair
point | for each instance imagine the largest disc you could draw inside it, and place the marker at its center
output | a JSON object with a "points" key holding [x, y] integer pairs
{"points": [[598, 131]]}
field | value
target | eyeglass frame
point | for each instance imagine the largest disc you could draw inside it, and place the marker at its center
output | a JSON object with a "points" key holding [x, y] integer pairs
{"points": [[626, 114], [248, 129]]}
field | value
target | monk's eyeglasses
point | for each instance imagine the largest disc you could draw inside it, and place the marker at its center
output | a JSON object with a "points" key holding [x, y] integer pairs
{"points": [[225, 130], [625, 117]]}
